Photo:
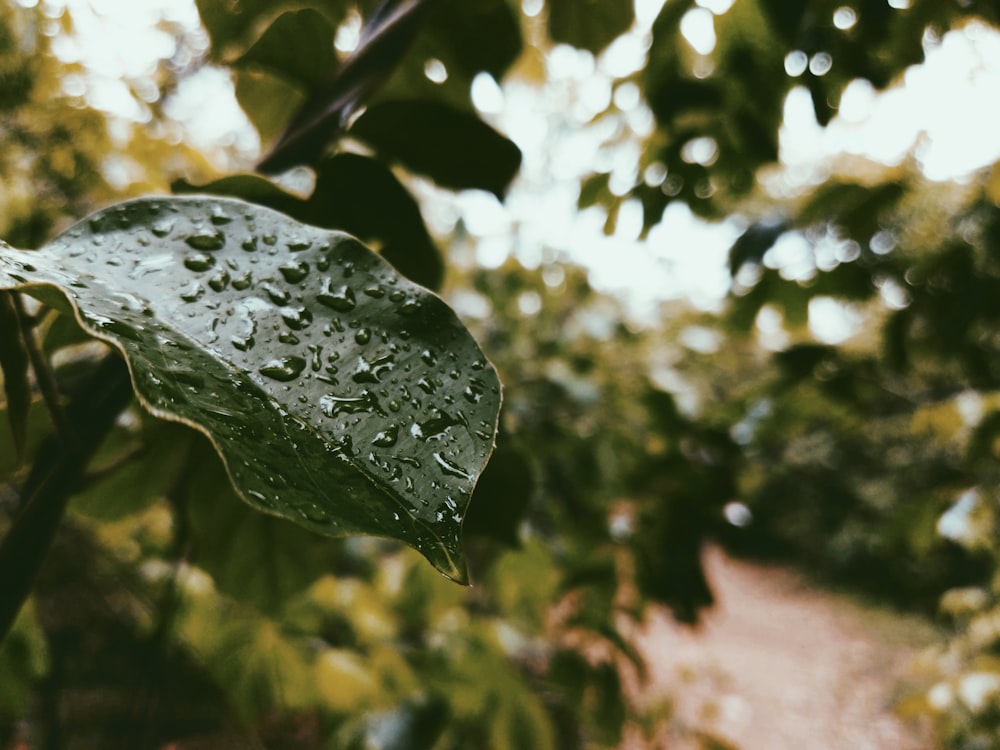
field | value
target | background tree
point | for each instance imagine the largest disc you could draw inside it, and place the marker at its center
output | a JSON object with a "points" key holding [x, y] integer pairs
{"points": [[169, 610]]}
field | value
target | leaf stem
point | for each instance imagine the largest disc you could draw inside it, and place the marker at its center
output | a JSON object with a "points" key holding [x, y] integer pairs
{"points": [[54, 477], [43, 373]]}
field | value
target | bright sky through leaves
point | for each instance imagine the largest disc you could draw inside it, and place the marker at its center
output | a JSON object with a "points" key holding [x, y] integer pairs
{"points": [[683, 257]]}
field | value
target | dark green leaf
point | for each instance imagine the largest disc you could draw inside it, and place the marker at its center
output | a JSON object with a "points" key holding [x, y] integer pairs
{"points": [[589, 24], [753, 243], [297, 47], [385, 40], [232, 27], [501, 498], [358, 195], [594, 190], [339, 395], [456, 149], [251, 556], [14, 365], [145, 469], [267, 101]]}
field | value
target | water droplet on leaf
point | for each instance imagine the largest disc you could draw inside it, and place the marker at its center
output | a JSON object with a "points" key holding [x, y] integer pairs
{"points": [[199, 262], [283, 369], [339, 298], [206, 239], [294, 272]]}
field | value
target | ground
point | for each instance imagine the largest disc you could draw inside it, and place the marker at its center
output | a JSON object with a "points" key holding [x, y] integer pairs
{"points": [[779, 664]]}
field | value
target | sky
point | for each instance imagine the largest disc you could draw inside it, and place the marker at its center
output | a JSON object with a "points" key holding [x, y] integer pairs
{"points": [[539, 222]]}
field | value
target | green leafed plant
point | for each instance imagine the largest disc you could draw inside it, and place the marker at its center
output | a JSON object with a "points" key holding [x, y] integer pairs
{"points": [[340, 395]]}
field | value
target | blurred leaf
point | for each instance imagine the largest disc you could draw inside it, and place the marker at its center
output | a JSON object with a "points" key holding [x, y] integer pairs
{"points": [[456, 149], [984, 443], [343, 398], [345, 683], [357, 195], [473, 37], [593, 692], [858, 209], [589, 24], [298, 47], [414, 725], [594, 190], [502, 497], [14, 367], [253, 557], [385, 39], [150, 468], [232, 28], [24, 661], [267, 101], [260, 667], [753, 243]]}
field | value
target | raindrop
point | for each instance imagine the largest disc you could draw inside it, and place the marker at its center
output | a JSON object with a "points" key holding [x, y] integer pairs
{"points": [[283, 369], [219, 281], [243, 343], [363, 336], [294, 272], [249, 244], [333, 406], [206, 239], [193, 292], [340, 298], [297, 244], [276, 294], [287, 337], [435, 427], [373, 371], [297, 318], [242, 282], [429, 358], [375, 291], [317, 357], [219, 216], [162, 227], [199, 262], [387, 438]]}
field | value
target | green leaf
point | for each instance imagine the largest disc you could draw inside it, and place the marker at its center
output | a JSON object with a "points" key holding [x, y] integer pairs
{"points": [[339, 395], [358, 195], [456, 149], [297, 47], [387, 35], [251, 556], [502, 498], [267, 101], [234, 25], [589, 24], [14, 367], [146, 468]]}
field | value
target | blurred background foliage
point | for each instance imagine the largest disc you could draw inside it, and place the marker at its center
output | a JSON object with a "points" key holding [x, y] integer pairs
{"points": [[170, 614]]}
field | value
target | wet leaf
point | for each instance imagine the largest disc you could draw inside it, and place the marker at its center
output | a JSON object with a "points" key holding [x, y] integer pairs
{"points": [[355, 194], [339, 394]]}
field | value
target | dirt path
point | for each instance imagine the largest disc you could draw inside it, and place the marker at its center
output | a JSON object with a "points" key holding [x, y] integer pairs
{"points": [[780, 665]]}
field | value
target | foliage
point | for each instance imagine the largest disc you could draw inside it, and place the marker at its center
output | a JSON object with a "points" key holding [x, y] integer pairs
{"points": [[188, 618]]}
